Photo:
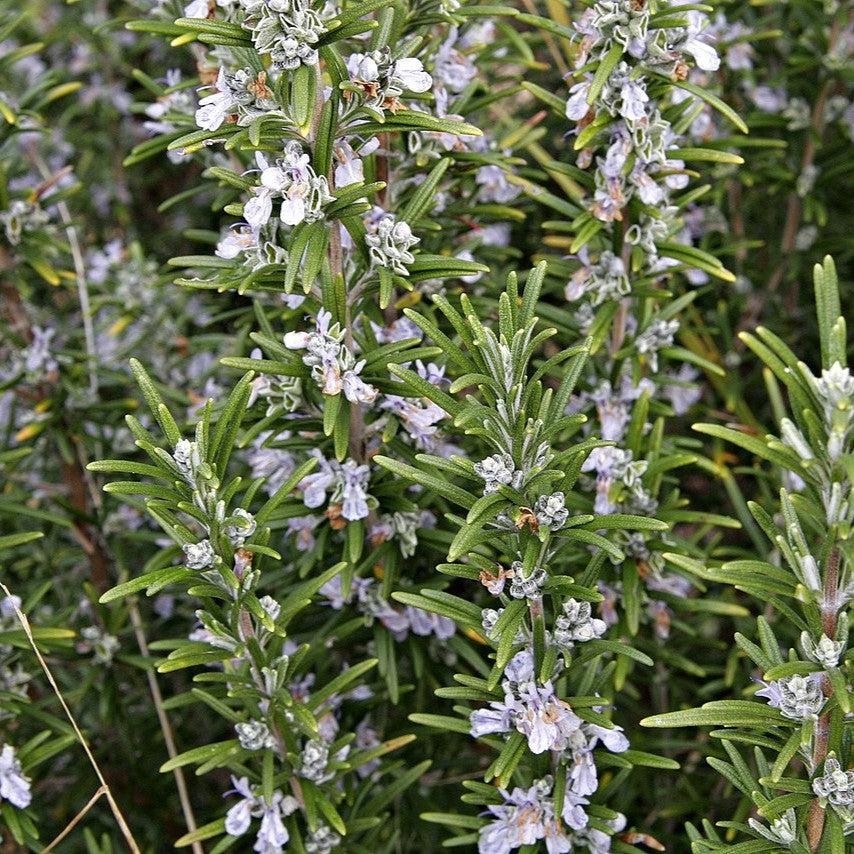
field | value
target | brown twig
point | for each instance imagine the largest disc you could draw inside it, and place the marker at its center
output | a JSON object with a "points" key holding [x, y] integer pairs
{"points": [[75, 821], [165, 726], [794, 206]]}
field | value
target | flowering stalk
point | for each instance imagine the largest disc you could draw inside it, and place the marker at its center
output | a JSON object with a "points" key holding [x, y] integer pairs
{"points": [[630, 222], [520, 540], [283, 722], [808, 695]]}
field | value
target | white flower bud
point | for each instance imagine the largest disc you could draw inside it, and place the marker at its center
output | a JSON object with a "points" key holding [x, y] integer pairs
{"points": [[239, 527], [551, 511], [199, 555], [496, 470], [835, 786], [254, 735], [826, 652]]}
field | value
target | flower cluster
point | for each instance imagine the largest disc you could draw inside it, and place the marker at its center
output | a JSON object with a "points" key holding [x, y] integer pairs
{"points": [[381, 80], [836, 787], [292, 180], [285, 30], [529, 816], [333, 366]]}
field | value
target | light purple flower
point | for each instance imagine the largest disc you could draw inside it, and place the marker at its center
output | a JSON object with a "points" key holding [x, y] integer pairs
{"points": [[356, 390], [14, 784], [235, 241], [272, 834], [215, 108], [704, 54], [314, 486], [798, 698], [498, 718], [683, 392], [534, 710], [424, 623], [354, 491], [527, 816], [633, 100], [576, 105]]}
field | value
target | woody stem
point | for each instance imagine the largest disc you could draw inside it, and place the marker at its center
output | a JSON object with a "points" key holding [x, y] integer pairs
{"points": [[829, 611]]}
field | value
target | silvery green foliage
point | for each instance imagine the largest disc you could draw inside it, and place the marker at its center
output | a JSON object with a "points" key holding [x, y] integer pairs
{"points": [[308, 422], [284, 717], [797, 720]]}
